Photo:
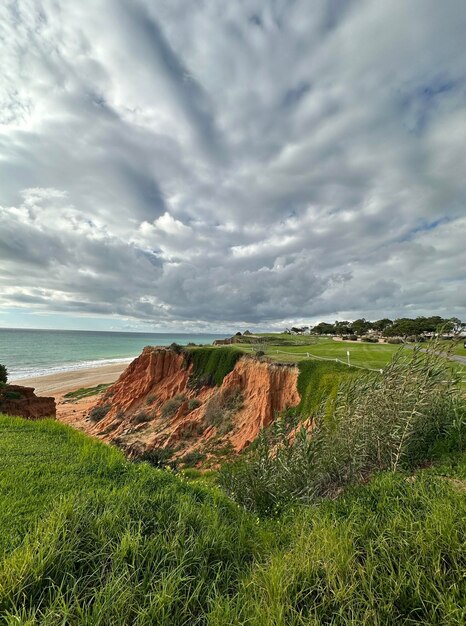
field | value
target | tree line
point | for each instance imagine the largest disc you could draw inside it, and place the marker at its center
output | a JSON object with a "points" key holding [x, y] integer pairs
{"points": [[401, 327]]}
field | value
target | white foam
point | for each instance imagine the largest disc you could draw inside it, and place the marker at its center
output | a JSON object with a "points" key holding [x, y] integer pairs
{"points": [[20, 374]]}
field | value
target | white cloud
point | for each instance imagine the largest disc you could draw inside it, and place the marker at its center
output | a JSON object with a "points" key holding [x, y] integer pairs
{"points": [[251, 162]]}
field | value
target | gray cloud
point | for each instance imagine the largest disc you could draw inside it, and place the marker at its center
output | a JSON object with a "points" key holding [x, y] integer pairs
{"points": [[187, 163]]}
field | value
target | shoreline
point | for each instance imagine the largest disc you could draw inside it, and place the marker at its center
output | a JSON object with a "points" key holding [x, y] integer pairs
{"points": [[59, 383]]}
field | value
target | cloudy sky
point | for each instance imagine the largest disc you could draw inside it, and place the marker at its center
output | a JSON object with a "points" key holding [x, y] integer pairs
{"points": [[207, 165]]}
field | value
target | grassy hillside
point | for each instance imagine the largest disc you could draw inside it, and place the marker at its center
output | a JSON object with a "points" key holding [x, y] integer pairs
{"points": [[213, 363], [318, 381], [88, 538]]}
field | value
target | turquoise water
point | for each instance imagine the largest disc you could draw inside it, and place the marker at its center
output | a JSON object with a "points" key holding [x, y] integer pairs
{"points": [[28, 353]]}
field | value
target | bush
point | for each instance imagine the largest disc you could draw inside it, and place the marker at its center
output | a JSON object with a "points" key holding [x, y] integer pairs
{"points": [[3, 374], [99, 412], [259, 353], [192, 458], [194, 403], [374, 422], [171, 406], [395, 340], [369, 339], [157, 457], [176, 348], [141, 417], [12, 395], [151, 398]]}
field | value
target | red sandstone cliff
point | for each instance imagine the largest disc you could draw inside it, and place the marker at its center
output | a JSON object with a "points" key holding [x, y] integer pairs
{"points": [[154, 404], [22, 402]]}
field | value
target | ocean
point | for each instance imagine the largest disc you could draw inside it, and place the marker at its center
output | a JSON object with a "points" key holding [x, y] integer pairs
{"points": [[30, 353]]}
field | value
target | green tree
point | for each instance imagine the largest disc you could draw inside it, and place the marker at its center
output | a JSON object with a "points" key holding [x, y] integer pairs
{"points": [[324, 328], [342, 328], [361, 326], [3, 374], [382, 324]]}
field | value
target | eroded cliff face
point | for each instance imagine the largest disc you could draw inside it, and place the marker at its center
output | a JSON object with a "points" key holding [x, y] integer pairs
{"points": [[23, 402], [157, 404]]}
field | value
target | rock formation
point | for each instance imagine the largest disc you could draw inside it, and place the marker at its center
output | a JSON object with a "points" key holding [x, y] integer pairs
{"points": [[157, 404], [23, 402]]}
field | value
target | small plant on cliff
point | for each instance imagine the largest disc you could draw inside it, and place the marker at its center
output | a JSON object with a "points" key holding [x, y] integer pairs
{"points": [[99, 412], [194, 403], [3, 374], [12, 395], [157, 457], [192, 458], [171, 406], [141, 417], [175, 347]]}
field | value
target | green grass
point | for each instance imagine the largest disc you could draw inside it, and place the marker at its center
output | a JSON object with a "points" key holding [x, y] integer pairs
{"points": [[91, 539], [319, 381], [458, 348], [213, 363], [368, 355], [40, 461], [85, 392], [388, 553]]}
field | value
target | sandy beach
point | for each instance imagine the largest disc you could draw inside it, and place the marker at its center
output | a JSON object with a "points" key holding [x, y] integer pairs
{"points": [[63, 382]]}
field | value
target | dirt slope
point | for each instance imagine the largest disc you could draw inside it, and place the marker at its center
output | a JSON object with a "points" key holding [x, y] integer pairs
{"points": [[157, 404]]}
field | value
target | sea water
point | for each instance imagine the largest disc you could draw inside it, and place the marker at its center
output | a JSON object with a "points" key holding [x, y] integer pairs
{"points": [[30, 353]]}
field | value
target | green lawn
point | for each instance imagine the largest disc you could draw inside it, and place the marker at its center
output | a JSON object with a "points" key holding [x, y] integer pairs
{"points": [[458, 348], [91, 539], [362, 354]]}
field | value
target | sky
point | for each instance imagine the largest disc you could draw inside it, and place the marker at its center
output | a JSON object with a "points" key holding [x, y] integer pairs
{"points": [[208, 165]]}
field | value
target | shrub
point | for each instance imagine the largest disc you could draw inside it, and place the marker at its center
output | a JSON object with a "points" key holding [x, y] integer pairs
{"points": [[12, 395], [395, 340], [99, 412], [369, 339], [157, 457], [176, 348], [3, 374], [141, 417], [192, 458], [194, 403], [151, 398], [172, 405], [375, 422], [259, 353]]}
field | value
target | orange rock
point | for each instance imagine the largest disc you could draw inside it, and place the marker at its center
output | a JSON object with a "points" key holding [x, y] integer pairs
{"points": [[27, 405], [138, 418], [267, 390]]}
